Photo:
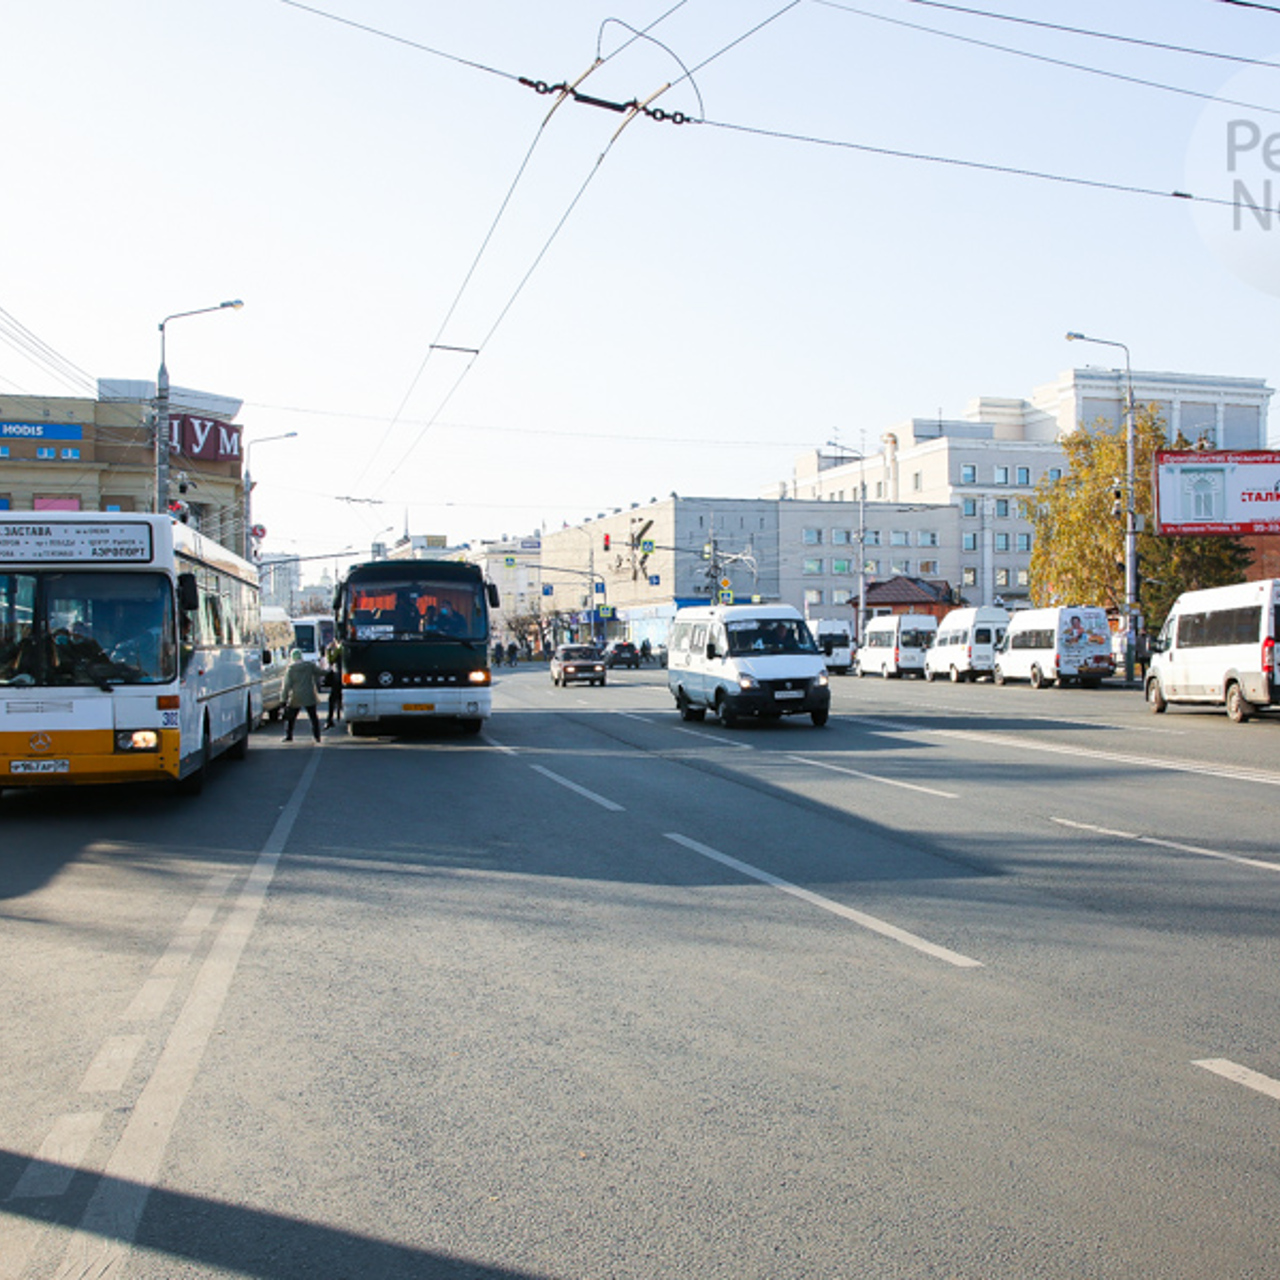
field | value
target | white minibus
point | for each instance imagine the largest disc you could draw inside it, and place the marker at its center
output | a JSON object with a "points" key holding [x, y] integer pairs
{"points": [[896, 643], [277, 640], [965, 646], [1218, 646], [834, 638], [746, 660], [1056, 646]]}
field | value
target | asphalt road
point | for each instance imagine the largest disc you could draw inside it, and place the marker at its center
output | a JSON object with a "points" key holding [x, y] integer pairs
{"points": [[972, 983]]}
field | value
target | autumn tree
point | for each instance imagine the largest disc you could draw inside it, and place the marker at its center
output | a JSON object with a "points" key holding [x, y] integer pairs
{"points": [[1077, 555]]}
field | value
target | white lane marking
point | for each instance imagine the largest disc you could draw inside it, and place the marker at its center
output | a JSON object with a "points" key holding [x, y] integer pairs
{"points": [[109, 1070], [1241, 1075], [1169, 844], [711, 737], [593, 796], [1202, 767], [151, 999], [872, 777], [498, 746], [828, 904], [105, 1232], [59, 1157]]}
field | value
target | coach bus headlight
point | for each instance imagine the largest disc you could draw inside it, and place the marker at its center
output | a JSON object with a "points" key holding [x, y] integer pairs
{"points": [[137, 740], [478, 677], [353, 677]]}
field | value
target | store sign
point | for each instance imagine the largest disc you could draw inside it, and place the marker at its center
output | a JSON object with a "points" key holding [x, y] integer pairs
{"points": [[1217, 491], [40, 431], [205, 439], [64, 541]]}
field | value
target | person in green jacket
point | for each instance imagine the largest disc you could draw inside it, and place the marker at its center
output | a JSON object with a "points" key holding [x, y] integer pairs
{"points": [[300, 694]]}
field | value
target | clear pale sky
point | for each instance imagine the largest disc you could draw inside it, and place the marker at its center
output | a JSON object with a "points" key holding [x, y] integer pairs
{"points": [[713, 302]]}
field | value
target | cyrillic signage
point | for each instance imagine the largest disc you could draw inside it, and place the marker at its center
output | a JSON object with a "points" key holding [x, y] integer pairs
{"points": [[1217, 492], [206, 439], [75, 542]]}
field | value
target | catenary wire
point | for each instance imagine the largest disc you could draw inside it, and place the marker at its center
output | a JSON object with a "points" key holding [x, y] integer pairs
{"points": [[1140, 81]]}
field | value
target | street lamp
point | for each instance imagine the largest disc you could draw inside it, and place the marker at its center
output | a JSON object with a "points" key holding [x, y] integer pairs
{"points": [[162, 405], [1130, 521], [862, 533], [248, 488]]}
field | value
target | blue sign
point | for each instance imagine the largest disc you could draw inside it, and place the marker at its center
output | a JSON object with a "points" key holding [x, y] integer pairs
{"points": [[548, 588], [599, 588], [646, 547], [40, 431], [655, 580]]}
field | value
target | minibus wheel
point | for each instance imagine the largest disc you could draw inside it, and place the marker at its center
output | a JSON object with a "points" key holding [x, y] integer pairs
{"points": [[1238, 706], [1155, 697]]}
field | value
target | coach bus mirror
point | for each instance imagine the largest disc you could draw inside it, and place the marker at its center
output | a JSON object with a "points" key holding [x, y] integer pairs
{"points": [[188, 593], [492, 589]]}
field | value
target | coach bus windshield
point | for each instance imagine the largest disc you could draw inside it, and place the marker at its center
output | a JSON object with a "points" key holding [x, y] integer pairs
{"points": [[89, 629], [416, 610]]}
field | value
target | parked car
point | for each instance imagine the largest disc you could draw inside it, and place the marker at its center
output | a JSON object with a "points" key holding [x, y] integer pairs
{"points": [[577, 664], [621, 653]]}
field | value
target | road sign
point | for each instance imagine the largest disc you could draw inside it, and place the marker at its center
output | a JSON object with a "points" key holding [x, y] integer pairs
{"points": [[646, 547], [655, 580], [510, 562], [725, 584], [599, 586], [548, 588], [726, 597]]}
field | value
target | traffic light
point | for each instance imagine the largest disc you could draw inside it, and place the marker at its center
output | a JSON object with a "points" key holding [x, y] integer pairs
{"points": [[1117, 502], [606, 542]]}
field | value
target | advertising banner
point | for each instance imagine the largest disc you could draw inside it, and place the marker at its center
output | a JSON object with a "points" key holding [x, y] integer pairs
{"points": [[1200, 492]]}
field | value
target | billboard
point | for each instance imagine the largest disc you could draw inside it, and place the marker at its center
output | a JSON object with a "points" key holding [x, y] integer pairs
{"points": [[1201, 492]]}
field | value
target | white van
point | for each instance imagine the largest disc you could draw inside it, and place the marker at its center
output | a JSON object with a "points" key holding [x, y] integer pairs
{"points": [[834, 638], [965, 646], [1056, 646], [1219, 646], [896, 643], [277, 640], [746, 660]]}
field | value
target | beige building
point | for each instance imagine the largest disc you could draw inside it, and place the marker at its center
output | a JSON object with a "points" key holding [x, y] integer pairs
{"points": [[61, 453]]}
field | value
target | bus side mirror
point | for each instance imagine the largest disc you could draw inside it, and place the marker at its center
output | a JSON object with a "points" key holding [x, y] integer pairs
{"points": [[188, 593], [828, 646], [711, 649], [491, 589]]}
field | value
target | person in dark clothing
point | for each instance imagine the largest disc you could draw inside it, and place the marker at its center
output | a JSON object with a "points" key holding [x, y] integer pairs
{"points": [[333, 681]]}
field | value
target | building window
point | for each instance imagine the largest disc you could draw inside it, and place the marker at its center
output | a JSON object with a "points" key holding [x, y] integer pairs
{"points": [[917, 481], [1055, 474], [841, 566], [901, 566], [70, 455], [969, 542], [879, 488], [1002, 475], [1024, 542], [927, 538], [1002, 508], [813, 595], [46, 453], [969, 473], [872, 538], [900, 538], [1024, 578], [841, 595], [1024, 475], [872, 567], [928, 567], [4, 450], [969, 507], [812, 567], [842, 537], [1002, 542], [969, 577], [1002, 577], [811, 537]]}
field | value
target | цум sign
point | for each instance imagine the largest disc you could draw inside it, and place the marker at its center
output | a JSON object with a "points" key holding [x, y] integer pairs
{"points": [[1206, 492]]}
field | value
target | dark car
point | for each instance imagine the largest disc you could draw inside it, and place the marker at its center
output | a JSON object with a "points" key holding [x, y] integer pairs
{"points": [[621, 653], [577, 664]]}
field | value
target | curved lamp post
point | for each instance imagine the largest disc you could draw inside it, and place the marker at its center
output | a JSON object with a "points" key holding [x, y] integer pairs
{"points": [[248, 488], [162, 405], [1130, 522]]}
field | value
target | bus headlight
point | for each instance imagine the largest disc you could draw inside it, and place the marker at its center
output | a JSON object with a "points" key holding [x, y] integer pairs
{"points": [[822, 681], [353, 677], [478, 677], [746, 682], [137, 740]]}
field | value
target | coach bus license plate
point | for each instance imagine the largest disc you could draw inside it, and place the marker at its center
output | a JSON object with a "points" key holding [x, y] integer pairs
{"points": [[39, 766], [419, 706]]}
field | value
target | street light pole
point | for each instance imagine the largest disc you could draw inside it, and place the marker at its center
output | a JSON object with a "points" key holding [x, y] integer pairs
{"points": [[248, 488], [1130, 512], [162, 405]]}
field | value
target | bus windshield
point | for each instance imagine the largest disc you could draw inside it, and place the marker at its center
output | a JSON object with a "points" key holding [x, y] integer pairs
{"points": [[417, 609], [90, 629], [769, 635]]}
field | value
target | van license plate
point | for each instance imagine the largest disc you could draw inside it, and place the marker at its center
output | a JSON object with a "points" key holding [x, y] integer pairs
{"points": [[789, 693], [39, 766], [419, 706]]}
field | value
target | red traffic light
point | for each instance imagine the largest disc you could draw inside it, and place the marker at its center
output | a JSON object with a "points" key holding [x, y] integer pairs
{"points": [[606, 542]]}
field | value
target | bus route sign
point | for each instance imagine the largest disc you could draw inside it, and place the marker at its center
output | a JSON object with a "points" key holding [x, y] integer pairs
{"points": [[101, 542]]}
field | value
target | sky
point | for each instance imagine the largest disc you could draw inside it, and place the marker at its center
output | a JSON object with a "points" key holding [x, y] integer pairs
{"points": [[483, 317]]}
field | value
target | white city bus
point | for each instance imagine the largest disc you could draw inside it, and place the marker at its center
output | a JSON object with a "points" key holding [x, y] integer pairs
{"points": [[130, 650]]}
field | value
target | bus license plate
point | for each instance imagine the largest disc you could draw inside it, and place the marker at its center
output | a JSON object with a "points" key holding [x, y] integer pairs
{"points": [[419, 706], [39, 766]]}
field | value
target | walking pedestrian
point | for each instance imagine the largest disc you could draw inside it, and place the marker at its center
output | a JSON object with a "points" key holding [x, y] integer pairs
{"points": [[333, 679], [300, 694]]}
